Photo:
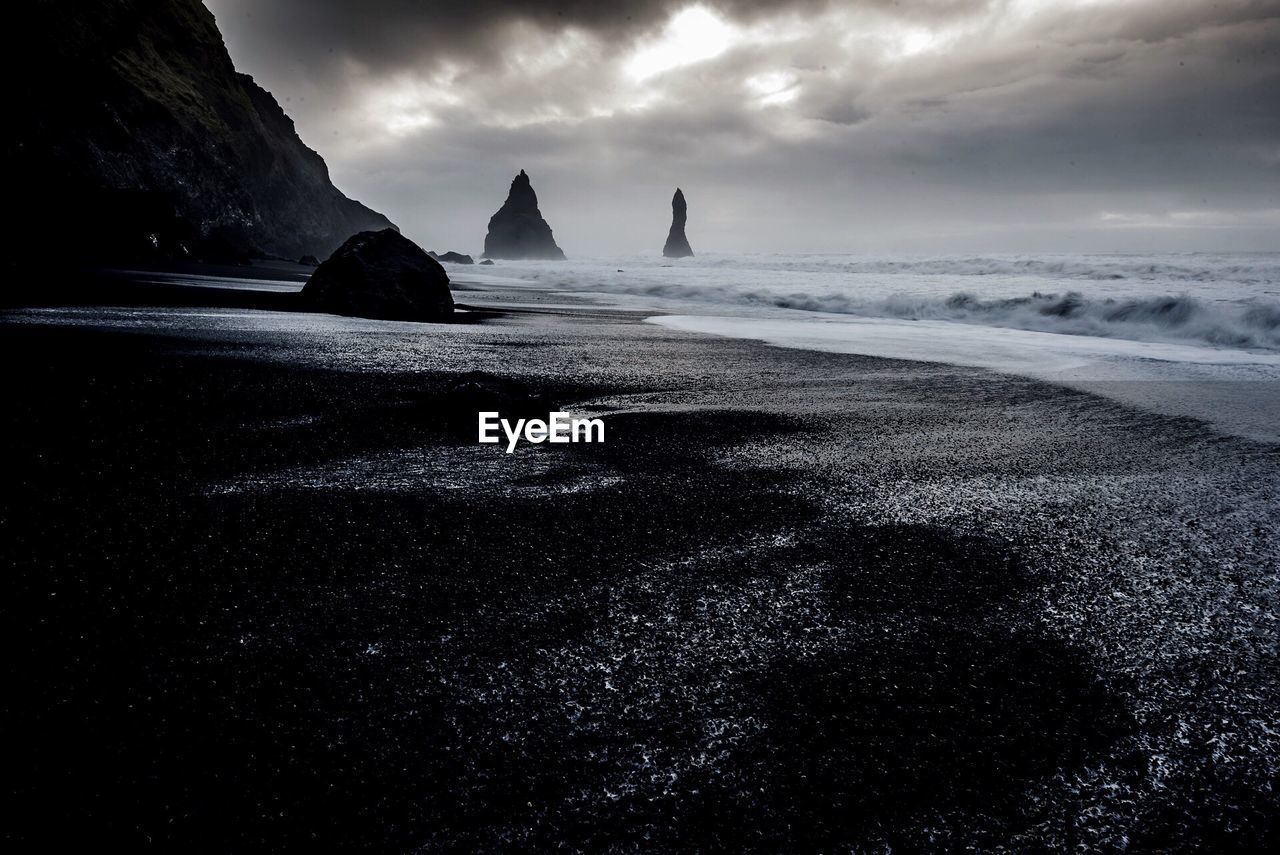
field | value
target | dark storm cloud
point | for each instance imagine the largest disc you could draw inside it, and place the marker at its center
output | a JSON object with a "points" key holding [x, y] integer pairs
{"points": [[793, 125], [390, 34]]}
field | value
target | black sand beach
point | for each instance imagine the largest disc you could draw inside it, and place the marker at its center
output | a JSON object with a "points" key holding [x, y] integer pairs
{"points": [[264, 590]]}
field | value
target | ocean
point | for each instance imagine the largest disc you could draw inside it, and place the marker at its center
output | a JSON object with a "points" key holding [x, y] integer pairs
{"points": [[1194, 334]]}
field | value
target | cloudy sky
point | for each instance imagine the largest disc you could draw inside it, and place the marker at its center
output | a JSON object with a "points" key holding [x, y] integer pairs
{"points": [[793, 126]]}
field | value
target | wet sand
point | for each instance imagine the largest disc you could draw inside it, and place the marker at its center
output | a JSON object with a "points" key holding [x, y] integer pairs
{"points": [[264, 590]]}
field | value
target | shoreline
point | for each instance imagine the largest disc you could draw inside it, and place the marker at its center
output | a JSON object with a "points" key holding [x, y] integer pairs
{"points": [[1234, 392], [1163, 379], [275, 288]]}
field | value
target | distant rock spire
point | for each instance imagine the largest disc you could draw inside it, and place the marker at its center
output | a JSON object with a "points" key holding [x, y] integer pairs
{"points": [[677, 244], [518, 230]]}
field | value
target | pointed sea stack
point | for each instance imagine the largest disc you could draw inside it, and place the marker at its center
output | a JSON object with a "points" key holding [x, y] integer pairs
{"points": [[677, 244], [518, 230]]}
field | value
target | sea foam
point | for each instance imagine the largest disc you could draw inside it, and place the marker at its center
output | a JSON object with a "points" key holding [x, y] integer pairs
{"points": [[1220, 300]]}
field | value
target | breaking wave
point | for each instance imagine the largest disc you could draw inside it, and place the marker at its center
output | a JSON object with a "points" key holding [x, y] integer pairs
{"points": [[1243, 268], [1249, 323], [1225, 300], [1172, 318], [1253, 324]]}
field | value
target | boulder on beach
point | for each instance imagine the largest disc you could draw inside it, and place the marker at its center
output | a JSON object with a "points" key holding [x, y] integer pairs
{"points": [[677, 245], [452, 257], [488, 261], [518, 229], [309, 261], [381, 275]]}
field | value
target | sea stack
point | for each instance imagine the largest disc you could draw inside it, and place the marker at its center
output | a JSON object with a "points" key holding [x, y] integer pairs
{"points": [[518, 230], [677, 244]]}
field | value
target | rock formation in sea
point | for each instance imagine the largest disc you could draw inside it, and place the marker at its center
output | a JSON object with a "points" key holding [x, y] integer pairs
{"points": [[133, 131], [452, 257], [518, 230], [380, 275], [677, 245]]}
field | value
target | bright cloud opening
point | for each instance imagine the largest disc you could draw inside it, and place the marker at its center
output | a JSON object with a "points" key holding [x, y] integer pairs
{"points": [[774, 87], [694, 34], [408, 104]]}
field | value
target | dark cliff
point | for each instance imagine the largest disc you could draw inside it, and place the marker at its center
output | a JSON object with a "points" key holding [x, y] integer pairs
{"points": [[677, 245], [136, 136], [518, 229]]}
